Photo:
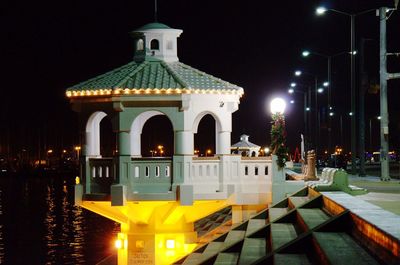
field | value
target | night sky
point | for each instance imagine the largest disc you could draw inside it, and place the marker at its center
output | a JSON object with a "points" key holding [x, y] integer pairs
{"points": [[48, 46]]}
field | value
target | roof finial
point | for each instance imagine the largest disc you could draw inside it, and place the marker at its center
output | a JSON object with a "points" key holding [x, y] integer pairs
{"points": [[155, 10]]}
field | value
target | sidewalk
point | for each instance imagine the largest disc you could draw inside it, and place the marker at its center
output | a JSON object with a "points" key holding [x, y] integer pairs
{"points": [[385, 194]]}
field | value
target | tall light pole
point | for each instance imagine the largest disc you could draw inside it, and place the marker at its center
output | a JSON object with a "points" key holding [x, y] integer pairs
{"points": [[316, 91], [383, 97], [307, 53], [306, 107], [321, 11]]}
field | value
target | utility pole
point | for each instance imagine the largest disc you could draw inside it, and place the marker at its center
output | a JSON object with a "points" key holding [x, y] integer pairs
{"points": [[353, 97], [329, 106], [383, 97], [363, 85], [384, 76]]}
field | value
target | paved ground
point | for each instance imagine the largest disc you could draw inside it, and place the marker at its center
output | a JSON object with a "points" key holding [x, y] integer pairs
{"points": [[385, 194]]}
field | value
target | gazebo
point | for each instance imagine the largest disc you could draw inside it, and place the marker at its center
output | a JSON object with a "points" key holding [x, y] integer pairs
{"points": [[245, 148]]}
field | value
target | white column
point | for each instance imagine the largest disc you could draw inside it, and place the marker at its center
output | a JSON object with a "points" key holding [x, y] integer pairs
{"points": [[223, 143], [136, 143], [184, 143]]}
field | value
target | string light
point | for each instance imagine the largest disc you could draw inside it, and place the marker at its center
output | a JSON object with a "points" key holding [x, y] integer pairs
{"points": [[149, 91]]}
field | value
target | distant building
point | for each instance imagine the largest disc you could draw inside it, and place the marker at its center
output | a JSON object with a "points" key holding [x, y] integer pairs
{"points": [[245, 147]]}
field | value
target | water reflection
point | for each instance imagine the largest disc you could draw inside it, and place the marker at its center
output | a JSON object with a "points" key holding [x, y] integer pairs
{"points": [[40, 225]]}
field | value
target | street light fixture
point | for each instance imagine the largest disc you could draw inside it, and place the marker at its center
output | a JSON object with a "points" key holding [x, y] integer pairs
{"points": [[290, 90], [297, 73], [293, 84], [292, 101], [305, 53], [278, 106], [320, 90], [320, 11]]}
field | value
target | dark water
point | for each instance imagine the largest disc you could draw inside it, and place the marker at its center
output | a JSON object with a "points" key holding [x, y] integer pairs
{"points": [[40, 225]]}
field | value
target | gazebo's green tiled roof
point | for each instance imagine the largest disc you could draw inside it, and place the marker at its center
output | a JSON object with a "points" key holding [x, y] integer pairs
{"points": [[151, 76], [153, 25]]}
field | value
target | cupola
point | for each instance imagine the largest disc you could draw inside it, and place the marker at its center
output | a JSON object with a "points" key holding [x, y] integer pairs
{"points": [[156, 40]]}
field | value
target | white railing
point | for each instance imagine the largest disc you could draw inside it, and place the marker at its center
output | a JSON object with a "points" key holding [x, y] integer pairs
{"points": [[150, 175], [102, 174], [204, 174]]}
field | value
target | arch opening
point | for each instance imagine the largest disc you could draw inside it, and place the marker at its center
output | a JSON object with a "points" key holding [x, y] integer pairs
{"points": [[154, 44], [205, 135], [100, 138], [151, 133]]}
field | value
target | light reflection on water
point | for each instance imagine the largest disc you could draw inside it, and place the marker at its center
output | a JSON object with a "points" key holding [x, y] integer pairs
{"points": [[40, 225]]}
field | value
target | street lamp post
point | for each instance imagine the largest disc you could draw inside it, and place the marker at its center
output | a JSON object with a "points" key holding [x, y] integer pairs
{"points": [[307, 53], [305, 105], [321, 11], [317, 116]]}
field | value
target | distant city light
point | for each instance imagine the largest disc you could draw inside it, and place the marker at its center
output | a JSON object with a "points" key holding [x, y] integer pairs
{"points": [[208, 152], [291, 90], [330, 108], [325, 84], [293, 84], [307, 109], [320, 90], [305, 53], [351, 113], [297, 73], [321, 10], [50, 151], [331, 113]]}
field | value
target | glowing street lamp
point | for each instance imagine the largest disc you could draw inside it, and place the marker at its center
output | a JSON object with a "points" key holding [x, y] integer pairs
{"points": [[208, 152], [305, 53], [161, 149], [297, 73], [325, 84], [320, 10], [320, 90], [278, 106], [293, 84], [266, 150], [291, 91], [292, 101]]}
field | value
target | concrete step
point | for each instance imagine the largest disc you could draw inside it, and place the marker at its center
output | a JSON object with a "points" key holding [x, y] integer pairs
{"points": [[275, 213], [234, 236], [291, 259], [313, 217], [298, 200], [340, 248], [254, 225], [252, 250], [227, 259], [214, 247], [282, 233]]}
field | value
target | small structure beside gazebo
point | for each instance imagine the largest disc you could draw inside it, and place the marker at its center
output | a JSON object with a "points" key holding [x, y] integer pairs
{"points": [[245, 147]]}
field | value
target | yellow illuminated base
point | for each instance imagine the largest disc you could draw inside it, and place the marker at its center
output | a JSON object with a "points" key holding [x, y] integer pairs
{"points": [[157, 232]]}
